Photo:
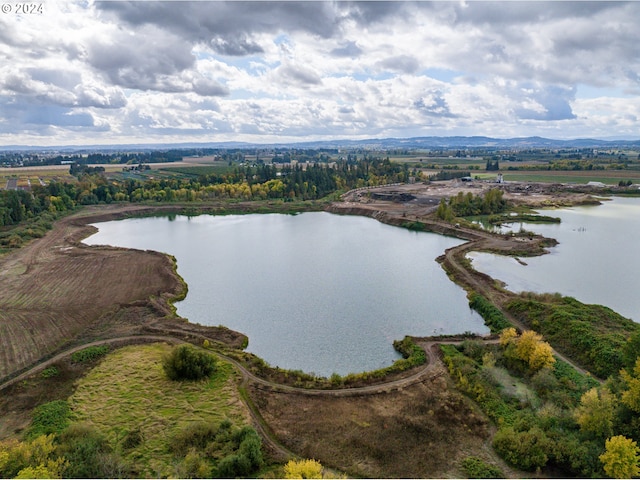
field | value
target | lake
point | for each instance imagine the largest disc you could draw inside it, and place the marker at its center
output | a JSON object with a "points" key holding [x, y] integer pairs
{"points": [[596, 261], [317, 292]]}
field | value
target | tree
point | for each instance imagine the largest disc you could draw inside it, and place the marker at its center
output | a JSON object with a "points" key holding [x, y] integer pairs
{"points": [[186, 363], [525, 450], [596, 412], [507, 335], [631, 396], [631, 350], [528, 347], [303, 469], [541, 357], [621, 457], [36, 458]]}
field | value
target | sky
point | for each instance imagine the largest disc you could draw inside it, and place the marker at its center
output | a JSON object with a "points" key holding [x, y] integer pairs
{"points": [[117, 72]]}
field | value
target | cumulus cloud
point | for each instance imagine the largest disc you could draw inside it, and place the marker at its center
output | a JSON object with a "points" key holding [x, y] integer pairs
{"points": [[401, 63], [243, 70], [347, 49]]}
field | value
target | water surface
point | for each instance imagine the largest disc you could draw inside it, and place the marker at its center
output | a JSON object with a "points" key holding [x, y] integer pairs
{"points": [[596, 261], [318, 292]]}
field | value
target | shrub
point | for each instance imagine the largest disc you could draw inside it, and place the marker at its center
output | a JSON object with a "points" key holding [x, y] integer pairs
{"points": [[32, 459], [493, 317], [233, 466], [52, 417], [49, 372], [475, 467], [197, 435], [303, 469], [90, 353], [526, 450], [186, 363], [89, 454]]}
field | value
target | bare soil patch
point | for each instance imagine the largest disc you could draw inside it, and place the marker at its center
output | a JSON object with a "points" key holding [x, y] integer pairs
{"points": [[421, 431], [56, 292]]}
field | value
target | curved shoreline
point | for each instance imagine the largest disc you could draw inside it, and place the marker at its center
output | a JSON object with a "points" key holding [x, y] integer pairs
{"points": [[74, 228]]}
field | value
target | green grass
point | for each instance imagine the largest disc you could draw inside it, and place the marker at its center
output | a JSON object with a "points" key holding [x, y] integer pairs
{"points": [[129, 391], [513, 386]]}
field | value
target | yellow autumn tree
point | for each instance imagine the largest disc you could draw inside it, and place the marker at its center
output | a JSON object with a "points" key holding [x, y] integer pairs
{"points": [[621, 457], [303, 469], [33, 459], [596, 412], [541, 356], [631, 396], [507, 335], [528, 347]]}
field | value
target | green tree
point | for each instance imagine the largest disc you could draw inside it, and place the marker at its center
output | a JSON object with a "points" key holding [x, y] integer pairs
{"points": [[596, 412], [621, 457], [186, 363], [526, 450]]}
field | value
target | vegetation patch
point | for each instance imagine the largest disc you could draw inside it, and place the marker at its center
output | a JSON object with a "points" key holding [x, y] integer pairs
{"points": [[492, 315], [129, 400], [48, 418], [550, 418], [522, 217], [89, 354], [594, 335], [475, 467], [185, 362]]}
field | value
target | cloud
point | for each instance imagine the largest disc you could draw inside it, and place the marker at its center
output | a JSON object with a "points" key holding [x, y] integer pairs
{"points": [[293, 74], [241, 69], [235, 47], [401, 63], [549, 103], [347, 49], [434, 103]]}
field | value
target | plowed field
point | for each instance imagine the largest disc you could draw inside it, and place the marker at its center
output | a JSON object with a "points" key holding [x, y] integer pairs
{"points": [[56, 291]]}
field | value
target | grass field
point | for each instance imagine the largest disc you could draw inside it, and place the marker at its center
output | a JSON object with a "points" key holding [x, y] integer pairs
{"points": [[129, 391]]}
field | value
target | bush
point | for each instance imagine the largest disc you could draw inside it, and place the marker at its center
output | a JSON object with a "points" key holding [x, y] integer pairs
{"points": [[90, 353], [493, 317], [52, 417], [90, 455], [197, 435], [526, 450], [49, 372], [233, 466], [187, 363], [474, 467]]}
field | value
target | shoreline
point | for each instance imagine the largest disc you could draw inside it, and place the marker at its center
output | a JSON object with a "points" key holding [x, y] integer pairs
{"points": [[77, 226]]}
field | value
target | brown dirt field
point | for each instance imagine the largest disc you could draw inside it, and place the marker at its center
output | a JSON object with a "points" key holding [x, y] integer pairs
{"points": [[421, 431], [56, 292]]}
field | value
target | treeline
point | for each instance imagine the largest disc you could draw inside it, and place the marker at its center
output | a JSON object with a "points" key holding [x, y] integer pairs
{"points": [[247, 182], [35, 211], [466, 205]]}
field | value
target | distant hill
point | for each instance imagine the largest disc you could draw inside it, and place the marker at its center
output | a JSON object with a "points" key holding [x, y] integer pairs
{"points": [[474, 142]]}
